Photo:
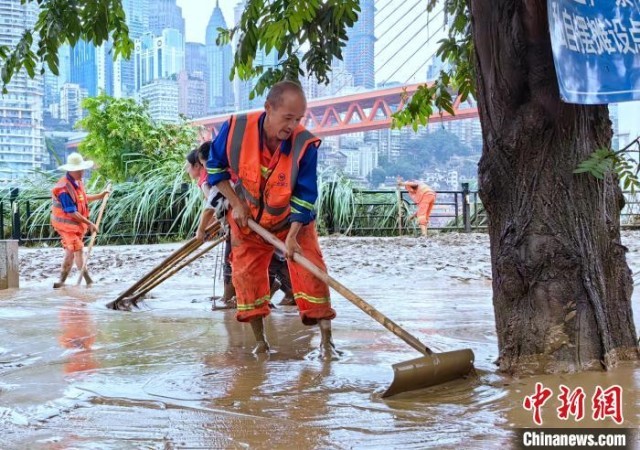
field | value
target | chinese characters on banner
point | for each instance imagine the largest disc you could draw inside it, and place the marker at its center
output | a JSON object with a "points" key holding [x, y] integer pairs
{"points": [[596, 49], [605, 403]]}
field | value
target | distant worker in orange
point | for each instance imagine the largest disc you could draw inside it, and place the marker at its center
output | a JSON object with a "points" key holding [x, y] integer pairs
{"points": [[70, 213], [424, 197]]}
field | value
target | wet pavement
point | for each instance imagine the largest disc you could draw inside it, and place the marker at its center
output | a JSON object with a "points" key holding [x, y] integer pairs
{"points": [[174, 374]]}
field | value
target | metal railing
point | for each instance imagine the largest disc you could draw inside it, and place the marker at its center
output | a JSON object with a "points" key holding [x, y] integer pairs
{"points": [[375, 213], [386, 213]]}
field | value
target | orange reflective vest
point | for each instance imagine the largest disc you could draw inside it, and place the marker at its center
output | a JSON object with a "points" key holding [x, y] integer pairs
{"points": [[62, 221], [269, 200]]}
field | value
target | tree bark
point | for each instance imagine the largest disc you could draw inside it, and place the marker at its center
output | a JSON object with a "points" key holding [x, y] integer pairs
{"points": [[561, 284]]}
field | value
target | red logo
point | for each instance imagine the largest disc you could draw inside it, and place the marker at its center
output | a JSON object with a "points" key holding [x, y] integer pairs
{"points": [[536, 401], [572, 403], [282, 180], [606, 403]]}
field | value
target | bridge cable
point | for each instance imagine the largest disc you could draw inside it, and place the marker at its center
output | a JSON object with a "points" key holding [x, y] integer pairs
{"points": [[415, 52], [344, 74], [382, 9], [426, 25], [421, 66], [401, 17], [402, 30], [404, 2]]}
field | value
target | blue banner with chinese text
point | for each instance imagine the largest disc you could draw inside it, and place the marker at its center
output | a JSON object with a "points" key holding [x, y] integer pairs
{"points": [[596, 49]]}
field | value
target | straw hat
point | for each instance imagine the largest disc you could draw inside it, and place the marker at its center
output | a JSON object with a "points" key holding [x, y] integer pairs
{"points": [[75, 162]]}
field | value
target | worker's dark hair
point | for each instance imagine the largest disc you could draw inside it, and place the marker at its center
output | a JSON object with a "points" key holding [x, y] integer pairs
{"points": [[274, 97], [203, 150], [192, 157]]}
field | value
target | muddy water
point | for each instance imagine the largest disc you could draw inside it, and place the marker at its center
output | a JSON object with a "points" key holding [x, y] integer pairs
{"points": [[177, 375]]}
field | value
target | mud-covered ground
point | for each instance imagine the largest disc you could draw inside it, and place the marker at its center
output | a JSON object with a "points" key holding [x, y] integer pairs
{"points": [[462, 257], [175, 374]]}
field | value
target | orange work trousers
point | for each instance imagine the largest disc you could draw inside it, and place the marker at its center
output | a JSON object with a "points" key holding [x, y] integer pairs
{"points": [[250, 259], [425, 207]]}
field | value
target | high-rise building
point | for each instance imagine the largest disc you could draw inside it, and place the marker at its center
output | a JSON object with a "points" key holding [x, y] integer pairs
{"points": [[104, 69], [310, 86], [626, 123], [51, 89], [241, 88], [137, 17], [84, 67], [192, 101], [390, 142], [615, 126], [158, 57], [195, 59], [469, 131], [162, 98], [22, 146], [164, 14], [359, 52], [123, 70], [437, 65], [219, 87], [71, 96], [64, 64], [341, 80], [245, 87]]}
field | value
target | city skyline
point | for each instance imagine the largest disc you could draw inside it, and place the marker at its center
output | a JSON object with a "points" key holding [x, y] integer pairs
{"points": [[390, 22], [175, 73]]}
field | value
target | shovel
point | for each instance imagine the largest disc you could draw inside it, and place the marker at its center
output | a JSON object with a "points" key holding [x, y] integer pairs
{"points": [[429, 370], [83, 272]]}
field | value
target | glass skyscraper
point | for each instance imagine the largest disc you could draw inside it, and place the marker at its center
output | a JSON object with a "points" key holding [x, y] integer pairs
{"points": [[84, 68], [138, 23], [219, 87], [359, 52], [195, 60], [164, 14], [158, 57]]}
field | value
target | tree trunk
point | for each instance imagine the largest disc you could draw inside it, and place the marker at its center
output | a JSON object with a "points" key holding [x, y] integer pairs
{"points": [[561, 284]]}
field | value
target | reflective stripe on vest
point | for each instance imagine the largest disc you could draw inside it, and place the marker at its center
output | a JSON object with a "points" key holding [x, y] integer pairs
{"points": [[243, 132], [63, 220]]}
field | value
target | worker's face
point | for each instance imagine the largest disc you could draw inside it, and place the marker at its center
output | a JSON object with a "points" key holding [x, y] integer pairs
{"points": [[283, 118], [77, 174], [193, 170]]}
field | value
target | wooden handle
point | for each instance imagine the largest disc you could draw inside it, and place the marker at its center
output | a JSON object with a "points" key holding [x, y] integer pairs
{"points": [[344, 291], [93, 235], [179, 254], [168, 274]]}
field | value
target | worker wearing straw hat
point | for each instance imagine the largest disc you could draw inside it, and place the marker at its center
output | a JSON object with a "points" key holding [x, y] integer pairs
{"points": [[70, 212], [274, 159]]}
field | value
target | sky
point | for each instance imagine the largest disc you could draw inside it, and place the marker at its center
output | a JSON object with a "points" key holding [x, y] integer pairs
{"points": [[403, 47]]}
